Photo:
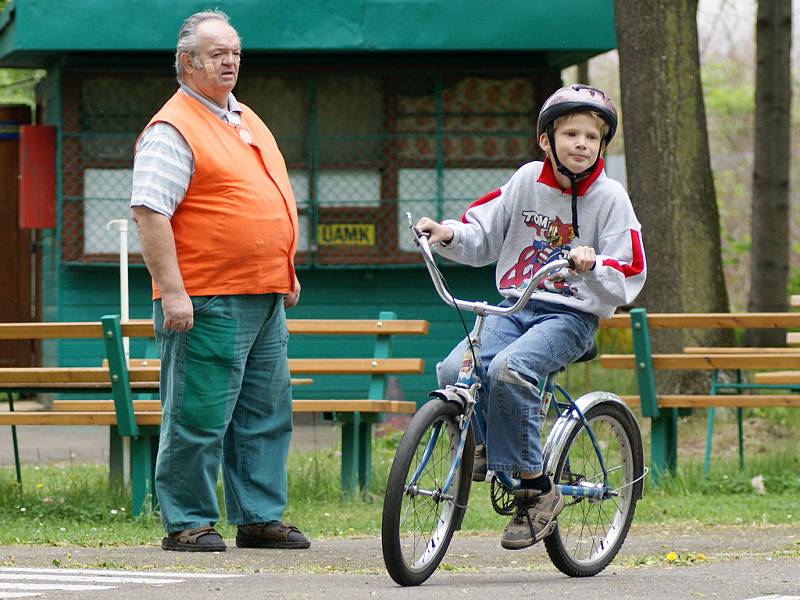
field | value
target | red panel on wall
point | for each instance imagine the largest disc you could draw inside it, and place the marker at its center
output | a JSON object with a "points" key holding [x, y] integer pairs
{"points": [[37, 176]]}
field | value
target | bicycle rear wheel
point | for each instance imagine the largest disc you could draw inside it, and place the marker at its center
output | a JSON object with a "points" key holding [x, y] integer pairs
{"points": [[419, 519], [590, 532]]}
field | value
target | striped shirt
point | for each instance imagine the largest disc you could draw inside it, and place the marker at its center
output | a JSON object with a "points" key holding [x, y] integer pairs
{"points": [[163, 165]]}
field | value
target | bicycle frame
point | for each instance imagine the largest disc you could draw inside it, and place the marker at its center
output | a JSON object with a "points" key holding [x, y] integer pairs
{"points": [[469, 381]]}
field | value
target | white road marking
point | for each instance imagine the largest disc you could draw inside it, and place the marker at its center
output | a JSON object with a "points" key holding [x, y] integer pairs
{"points": [[774, 597], [122, 572], [69, 577], [53, 586], [85, 580]]}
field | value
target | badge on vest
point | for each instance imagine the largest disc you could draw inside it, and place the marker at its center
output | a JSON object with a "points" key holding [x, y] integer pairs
{"points": [[247, 138]]}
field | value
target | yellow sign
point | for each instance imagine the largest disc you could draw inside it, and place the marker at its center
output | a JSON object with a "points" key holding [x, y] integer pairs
{"points": [[346, 234]]}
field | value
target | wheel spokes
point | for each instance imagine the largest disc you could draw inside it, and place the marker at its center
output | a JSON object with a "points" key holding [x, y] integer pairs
{"points": [[591, 524], [424, 515]]}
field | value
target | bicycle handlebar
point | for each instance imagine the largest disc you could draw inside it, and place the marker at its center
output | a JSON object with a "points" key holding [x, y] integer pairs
{"points": [[480, 308]]}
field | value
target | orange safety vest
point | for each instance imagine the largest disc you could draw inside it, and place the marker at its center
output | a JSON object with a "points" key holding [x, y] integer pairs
{"points": [[236, 228]]}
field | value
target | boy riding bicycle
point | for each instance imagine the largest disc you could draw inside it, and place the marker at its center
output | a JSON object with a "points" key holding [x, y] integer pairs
{"points": [[521, 226]]}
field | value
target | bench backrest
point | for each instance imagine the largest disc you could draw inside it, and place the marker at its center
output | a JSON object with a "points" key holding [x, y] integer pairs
{"points": [[123, 377], [640, 322], [704, 320]]}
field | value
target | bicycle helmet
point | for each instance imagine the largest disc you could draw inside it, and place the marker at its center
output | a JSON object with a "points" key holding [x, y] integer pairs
{"points": [[570, 99]]}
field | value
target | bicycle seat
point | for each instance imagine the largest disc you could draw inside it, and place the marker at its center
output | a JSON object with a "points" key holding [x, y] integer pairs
{"points": [[589, 354]]}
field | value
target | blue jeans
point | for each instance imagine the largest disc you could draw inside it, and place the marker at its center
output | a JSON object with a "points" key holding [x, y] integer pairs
{"points": [[517, 352], [226, 397]]}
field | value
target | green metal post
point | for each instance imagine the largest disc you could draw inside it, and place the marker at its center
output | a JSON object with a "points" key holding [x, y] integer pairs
{"points": [[377, 391], [313, 168], [709, 432], [645, 376], [663, 424], [118, 373], [664, 444], [141, 459], [439, 142], [710, 426]]}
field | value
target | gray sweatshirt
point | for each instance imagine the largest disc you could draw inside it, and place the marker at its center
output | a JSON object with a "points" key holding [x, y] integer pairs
{"points": [[527, 223]]}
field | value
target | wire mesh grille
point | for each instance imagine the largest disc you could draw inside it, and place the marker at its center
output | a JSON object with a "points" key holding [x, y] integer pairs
{"points": [[361, 149]]}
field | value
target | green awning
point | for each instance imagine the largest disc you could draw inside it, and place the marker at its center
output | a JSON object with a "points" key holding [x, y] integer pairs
{"points": [[33, 33]]}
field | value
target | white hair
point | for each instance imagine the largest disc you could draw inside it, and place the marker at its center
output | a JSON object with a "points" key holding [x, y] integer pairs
{"points": [[187, 38]]}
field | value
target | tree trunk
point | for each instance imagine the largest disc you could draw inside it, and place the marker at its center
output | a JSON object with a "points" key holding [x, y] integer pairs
{"points": [[669, 169], [583, 72], [769, 253]]}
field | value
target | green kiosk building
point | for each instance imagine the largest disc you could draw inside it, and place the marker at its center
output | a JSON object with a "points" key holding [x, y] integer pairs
{"points": [[379, 106]]}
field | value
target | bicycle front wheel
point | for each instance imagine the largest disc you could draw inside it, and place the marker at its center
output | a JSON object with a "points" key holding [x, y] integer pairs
{"points": [[419, 516], [590, 532]]}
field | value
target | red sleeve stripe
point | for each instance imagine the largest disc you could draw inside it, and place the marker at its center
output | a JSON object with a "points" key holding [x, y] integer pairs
{"points": [[637, 265], [487, 198]]}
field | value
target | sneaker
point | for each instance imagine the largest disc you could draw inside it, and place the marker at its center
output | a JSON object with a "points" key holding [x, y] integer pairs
{"points": [[534, 520], [479, 466], [202, 539], [271, 535]]}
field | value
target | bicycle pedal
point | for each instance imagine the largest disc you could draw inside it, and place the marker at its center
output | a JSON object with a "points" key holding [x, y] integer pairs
{"points": [[550, 529]]}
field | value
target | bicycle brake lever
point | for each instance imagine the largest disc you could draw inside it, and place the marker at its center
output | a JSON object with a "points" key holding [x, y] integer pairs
{"points": [[418, 234]]}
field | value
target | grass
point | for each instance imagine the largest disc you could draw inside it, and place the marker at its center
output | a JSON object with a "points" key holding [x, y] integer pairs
{"points": [[65, 505]]}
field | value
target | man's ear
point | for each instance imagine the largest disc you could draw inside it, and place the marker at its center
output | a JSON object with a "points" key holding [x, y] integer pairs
{"points": [[186, 62]]}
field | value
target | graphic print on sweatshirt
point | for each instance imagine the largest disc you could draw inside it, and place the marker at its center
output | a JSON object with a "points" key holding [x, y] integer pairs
{"points": [[551, 237]]}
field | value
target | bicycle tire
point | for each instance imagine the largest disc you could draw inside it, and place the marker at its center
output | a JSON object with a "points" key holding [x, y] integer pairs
{"points": [[416, 529], [589, 533]]}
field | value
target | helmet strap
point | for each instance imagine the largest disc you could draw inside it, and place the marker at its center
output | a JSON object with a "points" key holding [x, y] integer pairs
{"points": [[573, 177], [574, 181]]}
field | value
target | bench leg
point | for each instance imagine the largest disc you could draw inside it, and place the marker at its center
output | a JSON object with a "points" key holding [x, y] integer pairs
{"points": [[710, 430], [664, 443], [141, 473], [116, 457], [365, 456], [709, 433], [739, 414], [351, 427]]}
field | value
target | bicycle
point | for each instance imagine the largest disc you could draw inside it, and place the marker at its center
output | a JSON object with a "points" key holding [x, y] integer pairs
{"points": [[593, 452]]}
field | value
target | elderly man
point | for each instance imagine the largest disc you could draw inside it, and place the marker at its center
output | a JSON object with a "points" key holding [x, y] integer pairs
{"points": [[218, 227]]}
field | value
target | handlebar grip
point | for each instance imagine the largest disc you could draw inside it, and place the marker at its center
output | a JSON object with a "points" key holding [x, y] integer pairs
{"points": [[420, 235], [571, 263]]}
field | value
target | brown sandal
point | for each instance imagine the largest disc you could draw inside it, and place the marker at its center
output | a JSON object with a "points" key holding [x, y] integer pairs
{"points": [[202, 539], [273, 534]]}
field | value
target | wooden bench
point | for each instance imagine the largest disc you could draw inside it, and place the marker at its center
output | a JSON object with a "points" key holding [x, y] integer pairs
{"points": [[663, 409], [136, 422]]}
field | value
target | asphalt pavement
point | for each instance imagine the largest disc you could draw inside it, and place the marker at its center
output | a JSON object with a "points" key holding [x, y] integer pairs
{"points": [[740, 563]]}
